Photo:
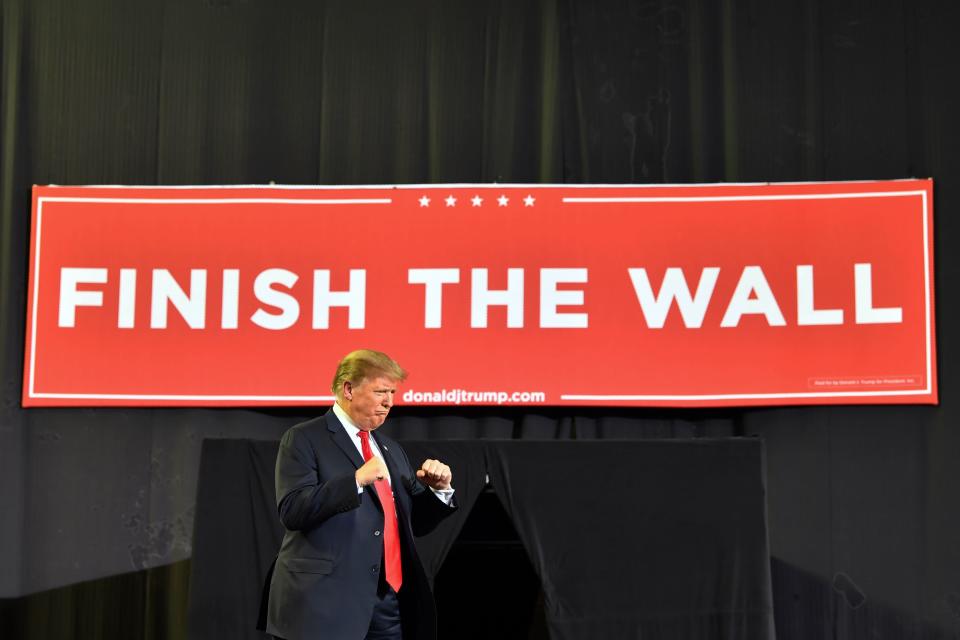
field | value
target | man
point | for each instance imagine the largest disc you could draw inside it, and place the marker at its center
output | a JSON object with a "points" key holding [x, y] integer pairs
{"points": [[351, 504]]}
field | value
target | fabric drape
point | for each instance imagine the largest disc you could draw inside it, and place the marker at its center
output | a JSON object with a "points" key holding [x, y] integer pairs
{"points": [[99, 505], [662, 539], [659, 539]]}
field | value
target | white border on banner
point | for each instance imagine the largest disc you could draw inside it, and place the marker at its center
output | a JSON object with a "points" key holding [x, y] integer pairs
{"points": [[566, 200]]}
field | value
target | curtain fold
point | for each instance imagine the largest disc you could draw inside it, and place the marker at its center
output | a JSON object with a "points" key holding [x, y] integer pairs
{"points": [[468, 463], [631, 540], [649, 539]]}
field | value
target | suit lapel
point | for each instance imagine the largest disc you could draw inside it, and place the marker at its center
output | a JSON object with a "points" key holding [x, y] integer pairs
{"points": [[339, 435], [396, 479], [388, 458]]}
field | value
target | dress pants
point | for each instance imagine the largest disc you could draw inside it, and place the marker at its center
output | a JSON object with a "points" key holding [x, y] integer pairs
{"points": [[385, 622]]}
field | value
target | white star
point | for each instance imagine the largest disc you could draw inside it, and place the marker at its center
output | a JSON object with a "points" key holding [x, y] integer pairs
{"points": [[476, 200], [503, 200], [424, 201], [451, 201], [528, 201]]}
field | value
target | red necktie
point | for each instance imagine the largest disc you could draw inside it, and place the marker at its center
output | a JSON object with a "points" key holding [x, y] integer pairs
{"points": [[391, 533]]}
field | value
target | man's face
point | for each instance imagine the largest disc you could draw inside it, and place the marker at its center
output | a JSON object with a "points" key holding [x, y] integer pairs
{"points": [[369, 402]]}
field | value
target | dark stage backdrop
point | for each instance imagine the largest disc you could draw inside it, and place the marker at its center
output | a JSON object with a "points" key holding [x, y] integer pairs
{"points": [[673, 545], [862, 501]]}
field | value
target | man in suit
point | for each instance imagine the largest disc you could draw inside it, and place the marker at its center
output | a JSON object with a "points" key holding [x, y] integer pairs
{"points": [[351, 503]]}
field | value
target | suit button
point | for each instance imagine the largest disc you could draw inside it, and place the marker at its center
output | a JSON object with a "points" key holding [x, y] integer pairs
{"points": [[374, 569], [376, 533]]}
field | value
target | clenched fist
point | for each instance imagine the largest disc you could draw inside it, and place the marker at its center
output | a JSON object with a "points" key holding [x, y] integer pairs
{"points": [[372, 470], [435, 474]]}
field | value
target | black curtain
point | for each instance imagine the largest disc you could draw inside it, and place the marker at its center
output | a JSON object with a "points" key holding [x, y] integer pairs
{"points": [[653, 539], [656, 539], [470, 462], [862, 500]]}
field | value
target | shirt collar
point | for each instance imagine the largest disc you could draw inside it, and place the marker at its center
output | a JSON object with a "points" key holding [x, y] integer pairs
{"points": [[348, 424], [344, 417]]}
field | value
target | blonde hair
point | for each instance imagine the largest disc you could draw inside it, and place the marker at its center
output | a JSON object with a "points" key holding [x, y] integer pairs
{"points": [[362, 364]]}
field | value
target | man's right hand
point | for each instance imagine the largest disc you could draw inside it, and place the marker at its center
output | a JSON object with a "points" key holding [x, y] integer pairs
{"points": [[372, 470]]}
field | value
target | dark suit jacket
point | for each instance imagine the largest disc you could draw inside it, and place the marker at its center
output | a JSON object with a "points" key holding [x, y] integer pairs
{"points": [[325, 579]]}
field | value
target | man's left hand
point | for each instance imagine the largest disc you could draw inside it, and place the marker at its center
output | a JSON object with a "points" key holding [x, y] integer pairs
{"points": [[435, 474]]}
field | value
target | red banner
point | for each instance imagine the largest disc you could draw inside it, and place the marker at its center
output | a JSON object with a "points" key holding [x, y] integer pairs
{"points": [[700, 295]]}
